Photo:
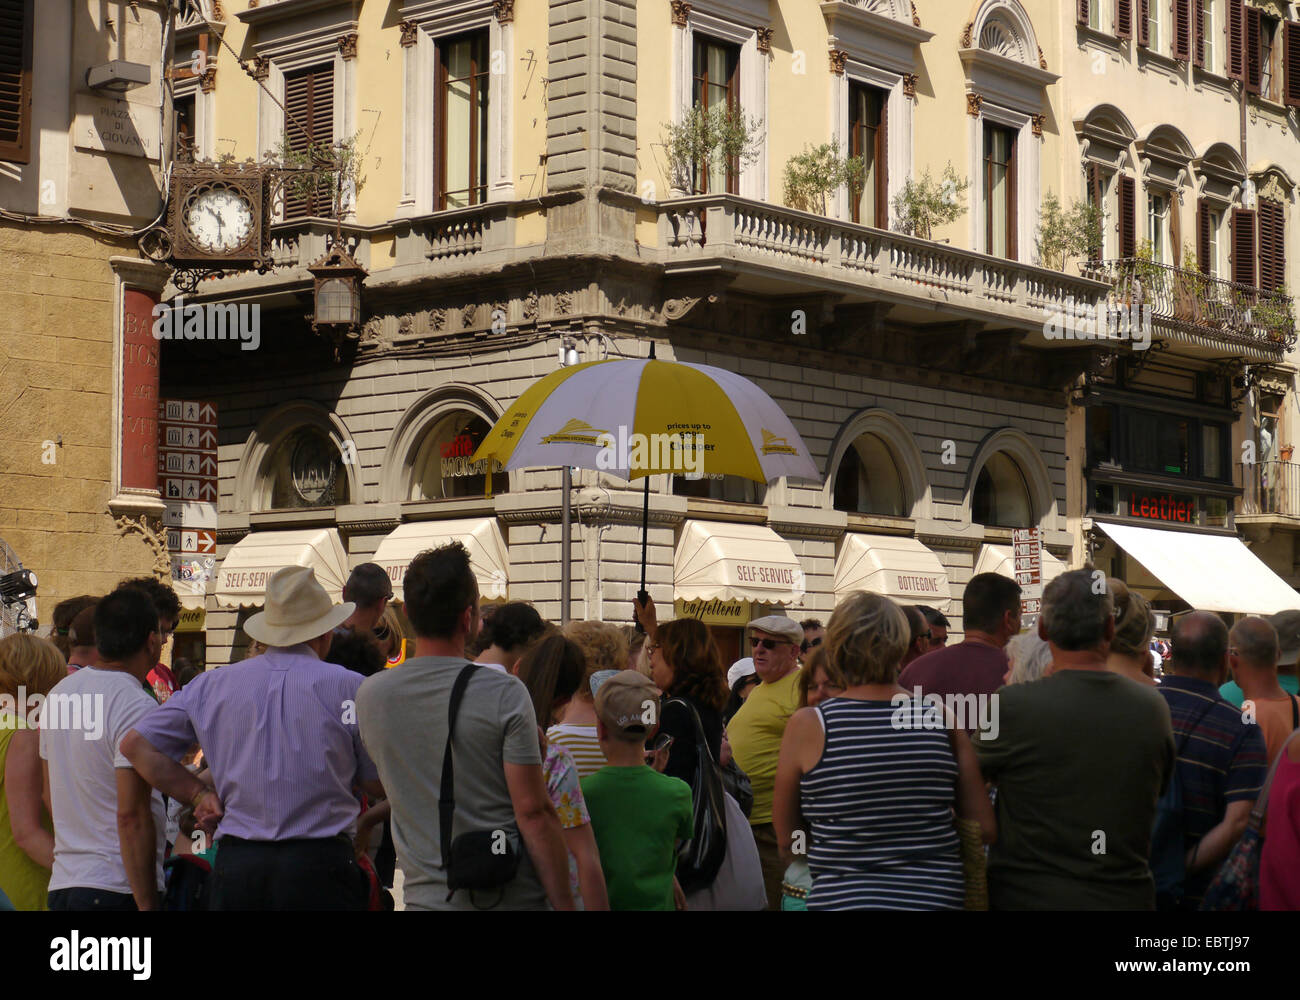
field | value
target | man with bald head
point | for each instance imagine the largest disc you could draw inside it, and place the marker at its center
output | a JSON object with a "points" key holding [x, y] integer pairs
{"points": [[1252, 657], [1221, 759]]}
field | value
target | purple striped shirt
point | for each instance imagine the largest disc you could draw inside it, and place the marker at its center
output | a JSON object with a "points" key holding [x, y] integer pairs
{"points": [[279, 732]]}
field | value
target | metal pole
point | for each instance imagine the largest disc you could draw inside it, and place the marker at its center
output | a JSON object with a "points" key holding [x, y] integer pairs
{"points": [[566, 531]]}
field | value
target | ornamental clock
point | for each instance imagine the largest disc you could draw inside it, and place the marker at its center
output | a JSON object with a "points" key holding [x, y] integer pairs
{"points": [[219, 216]]}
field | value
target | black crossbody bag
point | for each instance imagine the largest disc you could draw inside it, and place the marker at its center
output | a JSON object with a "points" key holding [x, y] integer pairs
{"points": [[479, 859]]}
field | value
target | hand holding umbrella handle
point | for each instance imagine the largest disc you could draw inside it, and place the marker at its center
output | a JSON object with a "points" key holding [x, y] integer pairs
{"points": [[643, 611]]}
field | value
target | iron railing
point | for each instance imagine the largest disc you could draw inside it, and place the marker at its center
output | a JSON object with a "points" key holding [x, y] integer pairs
{"points": [[1200, 304], [1270, 488]]}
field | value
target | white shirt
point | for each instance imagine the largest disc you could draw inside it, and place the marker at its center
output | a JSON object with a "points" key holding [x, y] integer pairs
{"points": [[83, 722]]}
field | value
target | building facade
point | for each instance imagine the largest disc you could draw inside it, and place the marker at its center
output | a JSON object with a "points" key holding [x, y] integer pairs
{"points": [[82, 167], [524, 199]]}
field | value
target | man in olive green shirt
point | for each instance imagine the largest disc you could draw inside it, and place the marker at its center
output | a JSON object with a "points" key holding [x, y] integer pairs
{"points": [[756, 730], [1079, 760]]}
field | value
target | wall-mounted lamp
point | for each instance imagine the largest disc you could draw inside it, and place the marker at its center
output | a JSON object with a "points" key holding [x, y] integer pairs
{"points": [[117, 76]]}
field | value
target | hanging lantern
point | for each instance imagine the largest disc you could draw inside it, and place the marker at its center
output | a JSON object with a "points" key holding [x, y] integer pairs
{"points": [[337, 295]]}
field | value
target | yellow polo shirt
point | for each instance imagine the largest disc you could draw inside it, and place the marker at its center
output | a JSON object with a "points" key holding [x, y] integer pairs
{"points": [[755, 734]]}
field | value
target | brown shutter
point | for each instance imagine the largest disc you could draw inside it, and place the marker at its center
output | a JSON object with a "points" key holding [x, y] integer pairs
{"points": [[1081, 8], [1272, 250], [1123, 18], [1203, 236], [1127, 218], [1176, 229], [1144, 22], [1183, 28], [1253, 67], [308, 123], [1243, 247], [1198, 41], [16, 20], [1234, 29], [1096, 196], [1291, 63]]}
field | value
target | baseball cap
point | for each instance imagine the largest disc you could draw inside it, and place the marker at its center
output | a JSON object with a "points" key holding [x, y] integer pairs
{"points": [[739, 669], [1287, 626], [622, 701], [786, 628], [599, 678]]}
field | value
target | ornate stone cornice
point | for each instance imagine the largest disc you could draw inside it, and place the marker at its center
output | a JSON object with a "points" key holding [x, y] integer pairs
{"points": [[806, 529], [681, 10], [369, 525], [932, 539], [348, 45]]}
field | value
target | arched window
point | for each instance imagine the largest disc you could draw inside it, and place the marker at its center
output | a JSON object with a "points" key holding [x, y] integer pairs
{"points": [[442, 467], [1001, 495], [304, 471], [868, 480]]}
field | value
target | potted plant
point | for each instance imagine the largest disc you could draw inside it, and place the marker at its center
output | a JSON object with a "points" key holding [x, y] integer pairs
{"points": [[925, 203], [705, 139], [1068, 232], [813, 174]]}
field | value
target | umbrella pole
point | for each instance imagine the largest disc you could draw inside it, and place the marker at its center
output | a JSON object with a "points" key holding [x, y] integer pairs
{"points": [[643, 595], [566, 546]]}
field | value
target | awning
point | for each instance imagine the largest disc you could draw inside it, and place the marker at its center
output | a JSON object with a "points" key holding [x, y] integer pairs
{"points": [[481, 536], [249, 564], [736, 562], [1209, 572], [900, 568], [1002, 559]]}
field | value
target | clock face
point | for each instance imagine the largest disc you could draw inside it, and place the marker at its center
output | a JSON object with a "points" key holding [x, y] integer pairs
{"points": [[218, 219]]}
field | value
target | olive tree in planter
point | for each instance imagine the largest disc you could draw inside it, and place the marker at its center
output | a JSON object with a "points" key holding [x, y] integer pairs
{"points": [[925, 203], [706, 139], [1068, 232], [816, 172]]}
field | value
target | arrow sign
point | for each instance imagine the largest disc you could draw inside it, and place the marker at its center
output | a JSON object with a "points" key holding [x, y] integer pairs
{"points": [[206, 540], [208, 490], [207, 414], [207, 439], [208, 466]]}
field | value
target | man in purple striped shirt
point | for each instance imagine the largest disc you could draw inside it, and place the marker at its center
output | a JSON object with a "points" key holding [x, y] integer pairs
{"points": [[280, 737]]}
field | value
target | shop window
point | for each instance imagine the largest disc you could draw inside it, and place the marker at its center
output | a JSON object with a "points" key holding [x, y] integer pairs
{"points": [[305, 471], [734, 489], [1159, 443], [443, 469], [1212, 446], [1001, 497], [868, 481], [1101, 439]]}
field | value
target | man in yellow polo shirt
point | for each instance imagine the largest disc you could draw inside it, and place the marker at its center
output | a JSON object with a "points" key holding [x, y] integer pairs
{"points": [[756, 730]]}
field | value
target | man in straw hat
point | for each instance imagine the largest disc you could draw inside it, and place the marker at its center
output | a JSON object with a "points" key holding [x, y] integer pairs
{"points": [[279, 733]]}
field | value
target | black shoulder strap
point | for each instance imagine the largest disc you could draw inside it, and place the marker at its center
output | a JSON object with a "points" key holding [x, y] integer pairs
{"points": [[1295, 713], [446, 788]]}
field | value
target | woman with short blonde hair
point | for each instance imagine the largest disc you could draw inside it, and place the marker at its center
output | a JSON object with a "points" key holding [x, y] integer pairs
{"points": [[871, 786], [29, 666]]}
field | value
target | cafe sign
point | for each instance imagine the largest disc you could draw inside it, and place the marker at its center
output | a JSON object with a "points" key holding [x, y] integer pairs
{"points": [[715, 612], [456, 462]]}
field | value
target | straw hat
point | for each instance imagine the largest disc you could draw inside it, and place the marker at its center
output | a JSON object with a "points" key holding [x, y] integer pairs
{"points": [[297, 609]]}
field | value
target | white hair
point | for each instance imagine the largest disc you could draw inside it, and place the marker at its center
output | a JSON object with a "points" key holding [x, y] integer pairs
{"points": [[1030, 657]]}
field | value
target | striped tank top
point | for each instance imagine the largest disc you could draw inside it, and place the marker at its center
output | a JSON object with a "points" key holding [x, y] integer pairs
{"points": [[879, 806], [581, 742]]}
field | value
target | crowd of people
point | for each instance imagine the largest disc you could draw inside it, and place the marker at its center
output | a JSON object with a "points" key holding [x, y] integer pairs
{"points": [[499, 761]]}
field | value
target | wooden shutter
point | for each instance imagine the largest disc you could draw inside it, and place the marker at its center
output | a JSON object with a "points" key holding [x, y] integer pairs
{"points": [[1291, 63], [1234, 29], [1144, 22], [1243, 247], [16, 18], [1183, 28], [1127, 218], [1176, 230], [1198, 40], [1203, 236], [1253, 68], [1123, 18], [1081, 8], [1096, 195], [1272, 248], [308, 123]]}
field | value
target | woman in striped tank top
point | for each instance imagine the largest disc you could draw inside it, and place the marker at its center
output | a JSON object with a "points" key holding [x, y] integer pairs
{"points": [[870, 799]]}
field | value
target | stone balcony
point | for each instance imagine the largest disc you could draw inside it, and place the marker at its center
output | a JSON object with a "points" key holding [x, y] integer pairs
{"points": [[1270, 490], [773, 250]]}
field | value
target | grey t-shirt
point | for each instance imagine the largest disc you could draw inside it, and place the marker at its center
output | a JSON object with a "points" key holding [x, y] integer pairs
{"points": [[402, 713]]}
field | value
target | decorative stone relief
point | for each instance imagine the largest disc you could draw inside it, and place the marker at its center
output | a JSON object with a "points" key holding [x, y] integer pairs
{"points": [[974, 104], [680, 12], [154, 535], [410, 31], [348, 45]]}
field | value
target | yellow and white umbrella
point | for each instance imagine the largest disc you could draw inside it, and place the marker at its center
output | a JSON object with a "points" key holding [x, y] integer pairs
{"points": [[643, 417]]}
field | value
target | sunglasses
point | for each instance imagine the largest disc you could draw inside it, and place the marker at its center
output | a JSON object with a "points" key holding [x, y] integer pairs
{"points": [[769, 643], [806, 645]]}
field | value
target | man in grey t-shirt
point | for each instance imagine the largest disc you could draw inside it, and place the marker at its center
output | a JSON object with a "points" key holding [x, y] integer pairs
{"points": [[403, 716]]}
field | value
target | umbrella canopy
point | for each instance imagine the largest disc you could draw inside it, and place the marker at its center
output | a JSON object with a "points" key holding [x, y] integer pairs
{"points": [[643, 417]]}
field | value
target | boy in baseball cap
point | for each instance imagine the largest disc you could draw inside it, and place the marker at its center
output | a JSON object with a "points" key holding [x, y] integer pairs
{"points": [[637, 814]]}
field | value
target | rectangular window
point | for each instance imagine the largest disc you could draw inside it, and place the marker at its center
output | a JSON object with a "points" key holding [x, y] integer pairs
{"points": [[1153, 24], [1212, 438], [1158, 443], [16, 21], [1207, 36], [716, 84], [867, 137], [1157, 225], [1094, 15], [999, 191], [1101, 441], [462, 117], [183, 124], [1212, 265], [1098, 184], [308, 124], [1267, 46]]}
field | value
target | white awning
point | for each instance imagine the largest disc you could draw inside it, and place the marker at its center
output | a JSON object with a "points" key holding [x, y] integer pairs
{"points": [[248, 565], [1001, 559], [900, 568], [1209, 572], [736, 562], [481, 536]]}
